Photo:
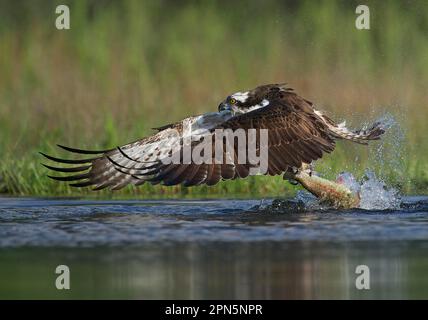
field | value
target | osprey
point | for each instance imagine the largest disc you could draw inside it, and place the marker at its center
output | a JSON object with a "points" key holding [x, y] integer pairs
{"points": [[298, 134]]}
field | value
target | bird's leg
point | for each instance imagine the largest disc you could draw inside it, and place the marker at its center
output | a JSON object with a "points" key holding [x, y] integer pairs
{"points": [[307, 168], [292, 172]]}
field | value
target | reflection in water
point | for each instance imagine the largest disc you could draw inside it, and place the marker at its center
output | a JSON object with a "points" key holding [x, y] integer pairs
{"points": [[214, 249], [260, 270]]}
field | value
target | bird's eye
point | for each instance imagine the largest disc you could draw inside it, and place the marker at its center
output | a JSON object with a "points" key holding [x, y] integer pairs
{"points": [[232, 101]]}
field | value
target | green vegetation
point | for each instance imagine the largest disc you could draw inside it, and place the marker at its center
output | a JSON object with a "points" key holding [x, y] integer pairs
{"points": [[127, 66]]}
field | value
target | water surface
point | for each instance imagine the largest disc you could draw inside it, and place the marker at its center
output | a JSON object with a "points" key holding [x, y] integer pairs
{"points": [[210, 249]]}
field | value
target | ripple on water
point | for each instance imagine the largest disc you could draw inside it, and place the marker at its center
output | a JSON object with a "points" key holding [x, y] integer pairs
{"points": [[44, 222]]}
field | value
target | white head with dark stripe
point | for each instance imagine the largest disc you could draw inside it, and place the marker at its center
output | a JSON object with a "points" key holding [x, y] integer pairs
{"points": [[245, 101]]}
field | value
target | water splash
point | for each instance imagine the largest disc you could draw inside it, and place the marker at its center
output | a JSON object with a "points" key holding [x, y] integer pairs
{"points": [[373, 191], [386, 160], [388, 156]]}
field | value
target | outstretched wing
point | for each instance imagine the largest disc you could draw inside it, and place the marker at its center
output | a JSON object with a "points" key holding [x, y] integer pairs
{"points": [[296, 134], [110, 168]]}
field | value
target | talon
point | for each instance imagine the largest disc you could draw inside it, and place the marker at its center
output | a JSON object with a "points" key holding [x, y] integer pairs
{"points": [[293, 182]]}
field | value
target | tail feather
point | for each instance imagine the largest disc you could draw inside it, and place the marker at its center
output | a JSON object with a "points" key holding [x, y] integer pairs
{"points": [[361, 136]]}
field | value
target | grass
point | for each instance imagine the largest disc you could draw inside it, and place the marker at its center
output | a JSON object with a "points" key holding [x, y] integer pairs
{"points": [[127, 66]]}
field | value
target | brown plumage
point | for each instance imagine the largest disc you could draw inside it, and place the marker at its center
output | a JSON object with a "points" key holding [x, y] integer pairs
{"points": [[297, 134]]}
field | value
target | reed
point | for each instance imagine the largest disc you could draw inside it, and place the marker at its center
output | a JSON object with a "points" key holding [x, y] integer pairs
{"points": [[127, 66]]}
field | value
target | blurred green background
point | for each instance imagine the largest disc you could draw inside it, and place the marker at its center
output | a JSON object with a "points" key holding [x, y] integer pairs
{"points": [[127, 66]]}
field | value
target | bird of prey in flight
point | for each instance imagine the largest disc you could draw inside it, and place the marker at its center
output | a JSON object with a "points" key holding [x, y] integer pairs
{"points": [[297, 135]]}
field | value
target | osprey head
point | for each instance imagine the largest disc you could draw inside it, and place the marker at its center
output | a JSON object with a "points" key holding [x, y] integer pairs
{"points": [[245, 101]]}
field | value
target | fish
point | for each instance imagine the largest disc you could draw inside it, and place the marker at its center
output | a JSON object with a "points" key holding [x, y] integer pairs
{"points": [[331, 193]]}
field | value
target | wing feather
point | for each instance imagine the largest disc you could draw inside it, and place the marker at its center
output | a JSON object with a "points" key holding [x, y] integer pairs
{"points": [[295, 135]]}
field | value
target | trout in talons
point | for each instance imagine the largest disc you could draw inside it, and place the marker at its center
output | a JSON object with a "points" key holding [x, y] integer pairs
{"points": [[328, 192]]}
